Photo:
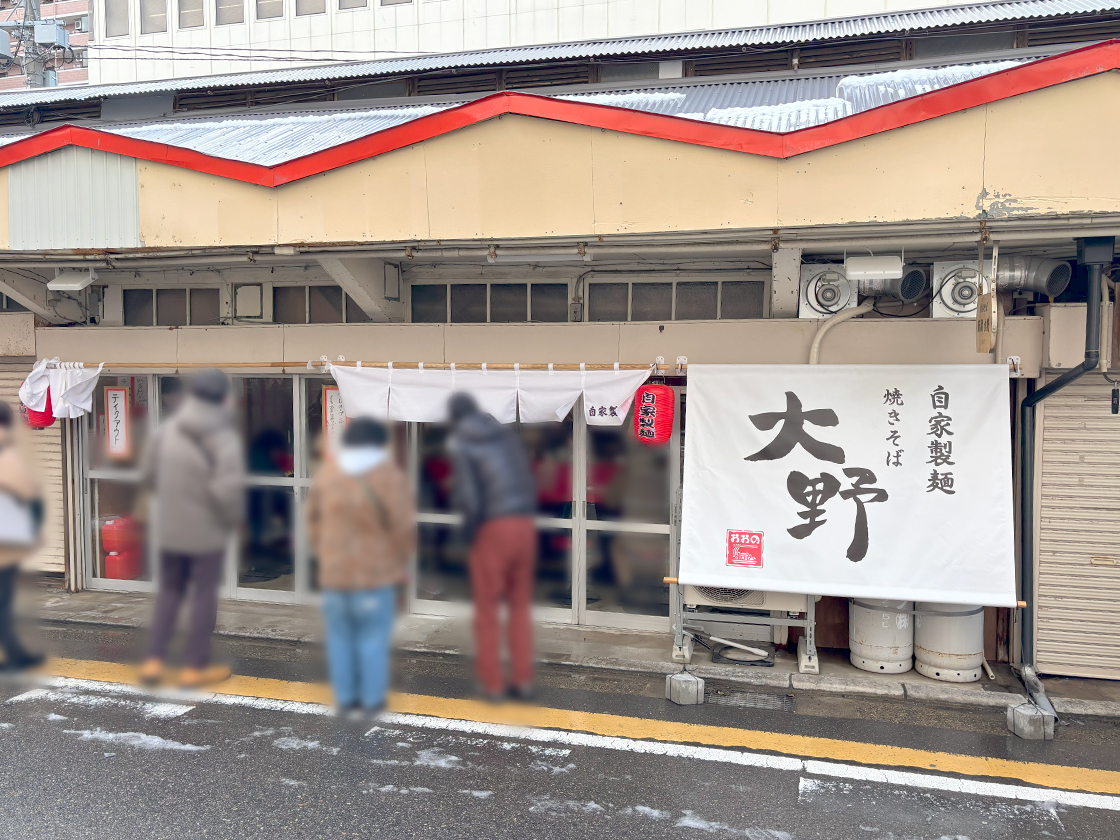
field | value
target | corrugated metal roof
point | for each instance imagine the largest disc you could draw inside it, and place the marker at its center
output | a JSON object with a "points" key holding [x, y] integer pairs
{"points": [[779, 105], [864, 25]]}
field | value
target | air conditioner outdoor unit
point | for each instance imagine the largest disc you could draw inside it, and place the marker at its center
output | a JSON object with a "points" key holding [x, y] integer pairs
{"points": [[825, 290], [955, 288], [82, 24], [742, 599]]}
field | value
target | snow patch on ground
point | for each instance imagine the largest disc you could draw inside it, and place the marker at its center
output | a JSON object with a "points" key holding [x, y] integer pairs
{"points": [[157, 711], [53, 716], [552, 769], [289, 742], [292, 782], [548, 805], [478, 794], [437, 758], [395, 789], [691, 820], [137, 740]]}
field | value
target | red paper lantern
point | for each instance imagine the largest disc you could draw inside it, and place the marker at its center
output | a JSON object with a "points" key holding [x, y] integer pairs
{"points": [[653, 414], [38, 419]]}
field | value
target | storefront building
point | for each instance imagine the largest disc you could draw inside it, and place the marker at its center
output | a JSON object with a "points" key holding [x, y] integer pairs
{"points": [[534, 230]]}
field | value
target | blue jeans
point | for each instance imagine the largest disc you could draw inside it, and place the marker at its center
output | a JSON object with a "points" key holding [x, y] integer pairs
{"points": [[359, 631]]}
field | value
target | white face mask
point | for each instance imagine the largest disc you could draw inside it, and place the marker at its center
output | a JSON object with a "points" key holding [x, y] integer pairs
{"points": [[356, 460]]}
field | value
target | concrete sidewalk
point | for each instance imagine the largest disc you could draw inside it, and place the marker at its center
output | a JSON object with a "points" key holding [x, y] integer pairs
{"points": [[591, 647]]}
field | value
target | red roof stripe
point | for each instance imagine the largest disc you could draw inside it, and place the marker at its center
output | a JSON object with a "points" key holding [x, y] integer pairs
{"points": [[1076, 64]]}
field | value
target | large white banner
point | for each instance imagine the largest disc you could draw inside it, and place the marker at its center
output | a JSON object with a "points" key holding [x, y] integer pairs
{"points": [[872, 481]]}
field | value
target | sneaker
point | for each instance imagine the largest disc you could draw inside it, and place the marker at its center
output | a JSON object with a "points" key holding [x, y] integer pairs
{"points": [[25, 661], [198, 677], [523, 693], [151, 672]]}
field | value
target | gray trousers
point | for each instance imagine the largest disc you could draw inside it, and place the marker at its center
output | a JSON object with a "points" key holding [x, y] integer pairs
{"points": [[176, 572]]}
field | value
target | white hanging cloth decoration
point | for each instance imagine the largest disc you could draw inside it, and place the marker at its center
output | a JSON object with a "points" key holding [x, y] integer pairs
{"points": [[419, 396], [494, 390], [546, 396], [72, 385], [607, 395], [33, 391], [364, 391], [536, 396]]}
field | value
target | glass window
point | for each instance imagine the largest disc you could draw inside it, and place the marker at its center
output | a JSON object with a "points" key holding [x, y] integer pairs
{"points": [[351, 4], [229, 11], [607, 301], [627, 481], [311, 7], [116, 18], [153, 16], [550, 451], [441, 563], [652, 302], [120, 532], [191, 14], [324, 305], [553, 586], [265, 409], [550, 302], [171, 394], [742, 299], [394, 2], [468, 303], [289, 304], [267, 556], [138, 311], [171, 307], [354, 313], [136, 430], [11, 305], [205, 308], [626, 571], [429, 304], [434, 464], [267, 9], [696, 301], [509, 303]]}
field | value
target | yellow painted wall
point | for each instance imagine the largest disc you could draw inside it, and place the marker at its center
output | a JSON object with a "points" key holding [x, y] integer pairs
{"points": [[516, 177]]}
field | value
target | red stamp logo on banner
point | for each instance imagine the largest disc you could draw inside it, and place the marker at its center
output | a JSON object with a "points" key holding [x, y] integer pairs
{"points": [[744, 549]]}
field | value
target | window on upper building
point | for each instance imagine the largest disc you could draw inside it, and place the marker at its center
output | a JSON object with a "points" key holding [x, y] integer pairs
{"points": [[268, 9], [394, 2], [496, 303], [352, 4], [680, 300], [138, 308], [116, 18], [229, 11], [323, 304], [153, 16], [191, 14], [10, 305], [310, 7]]}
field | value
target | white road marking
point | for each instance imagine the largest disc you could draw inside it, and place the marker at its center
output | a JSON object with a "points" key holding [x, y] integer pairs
{"points": [[158, 711], [582, 739]]}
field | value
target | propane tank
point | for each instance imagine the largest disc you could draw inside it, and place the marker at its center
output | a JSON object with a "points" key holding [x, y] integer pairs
{"points": [[949, 647], [881, 635]]}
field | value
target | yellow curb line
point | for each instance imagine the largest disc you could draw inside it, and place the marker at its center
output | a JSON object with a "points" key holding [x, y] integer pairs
{"points": [[804, 746]]}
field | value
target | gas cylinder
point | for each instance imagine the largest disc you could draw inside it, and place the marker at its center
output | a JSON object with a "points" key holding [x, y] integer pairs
{"points": [[881, 635], [949, 641]]}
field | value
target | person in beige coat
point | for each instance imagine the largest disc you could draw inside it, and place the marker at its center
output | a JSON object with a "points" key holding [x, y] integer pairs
{"points": [[361, 524], [21, 492]]}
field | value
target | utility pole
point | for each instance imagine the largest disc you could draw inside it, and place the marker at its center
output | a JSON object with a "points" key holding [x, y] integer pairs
{"points": [[33, 42]]}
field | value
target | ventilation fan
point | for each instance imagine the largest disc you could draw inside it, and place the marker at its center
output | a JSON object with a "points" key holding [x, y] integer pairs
{"points": [[907, 288], [825, 290], [956, 288]]}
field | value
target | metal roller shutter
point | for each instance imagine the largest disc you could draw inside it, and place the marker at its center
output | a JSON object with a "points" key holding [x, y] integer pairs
{"points": [[43, 449], [1078, 600]]}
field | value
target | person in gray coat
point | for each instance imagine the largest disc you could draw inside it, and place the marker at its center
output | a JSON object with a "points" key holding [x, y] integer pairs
{"points": [[494, 488], [195, 465]]}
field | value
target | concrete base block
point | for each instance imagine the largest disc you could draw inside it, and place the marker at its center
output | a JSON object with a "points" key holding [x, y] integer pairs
{"points": [[683, 653], [684, 689], [1030, 722], [807, 663]]}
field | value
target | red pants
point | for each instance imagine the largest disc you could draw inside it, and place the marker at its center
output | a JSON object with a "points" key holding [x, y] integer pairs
{"points": [[501, 565]]}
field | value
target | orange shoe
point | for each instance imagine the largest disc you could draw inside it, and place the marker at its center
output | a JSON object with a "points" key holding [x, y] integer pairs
{"points": [[196, 677], [151, 672]]}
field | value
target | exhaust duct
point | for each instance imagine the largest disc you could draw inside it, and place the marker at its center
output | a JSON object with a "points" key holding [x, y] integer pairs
{"points": [[1034, 274]]}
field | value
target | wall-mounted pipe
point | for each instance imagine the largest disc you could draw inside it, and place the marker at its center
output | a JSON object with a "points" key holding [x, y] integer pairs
{"points": [[832, 320], [1094, 254]]}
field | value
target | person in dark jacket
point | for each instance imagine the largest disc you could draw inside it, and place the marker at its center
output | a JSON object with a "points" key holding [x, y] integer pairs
{"points": [[195, 464], [494, 489]]}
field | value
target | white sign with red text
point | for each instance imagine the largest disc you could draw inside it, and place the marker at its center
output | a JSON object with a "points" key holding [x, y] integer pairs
{"points": [[867, 481]]}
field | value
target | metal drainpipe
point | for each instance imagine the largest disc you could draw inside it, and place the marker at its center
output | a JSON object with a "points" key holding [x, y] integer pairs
{"points": [[1026, 466]]}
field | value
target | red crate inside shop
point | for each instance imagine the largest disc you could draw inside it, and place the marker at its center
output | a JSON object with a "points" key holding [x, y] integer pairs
{"points": [[121, 534], [653, 414], [124, 565]]}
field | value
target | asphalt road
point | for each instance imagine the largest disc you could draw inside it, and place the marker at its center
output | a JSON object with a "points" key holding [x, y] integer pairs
{"points": [[85, 763]]}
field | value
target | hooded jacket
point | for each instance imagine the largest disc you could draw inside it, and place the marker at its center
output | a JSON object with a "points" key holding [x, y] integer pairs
{"points": [[15, 478], [195, 463], [362, 528], [491, 476]]}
